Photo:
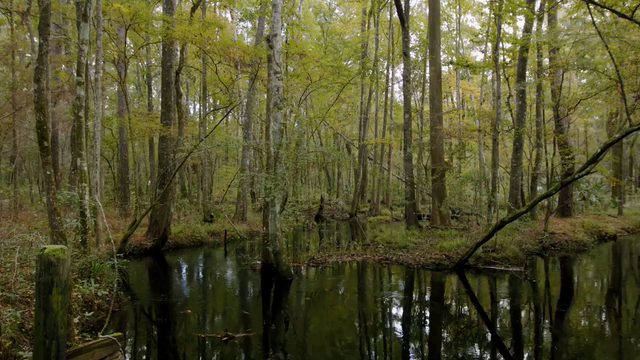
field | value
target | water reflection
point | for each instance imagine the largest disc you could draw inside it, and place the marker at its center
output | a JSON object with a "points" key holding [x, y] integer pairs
{"points": [[559, 308]]}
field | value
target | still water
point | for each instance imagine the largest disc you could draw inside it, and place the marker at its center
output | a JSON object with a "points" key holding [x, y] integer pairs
{"points": [[585, 307]]}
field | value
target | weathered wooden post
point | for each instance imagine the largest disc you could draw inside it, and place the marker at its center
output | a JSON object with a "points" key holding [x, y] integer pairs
{"points": [[52, 303]]}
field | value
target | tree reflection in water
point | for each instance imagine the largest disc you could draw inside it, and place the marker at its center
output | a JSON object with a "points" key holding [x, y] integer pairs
{"points": [[559, 308]]}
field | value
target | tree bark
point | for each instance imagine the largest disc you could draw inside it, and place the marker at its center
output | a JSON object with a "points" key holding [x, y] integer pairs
{"points": [[537, 164], [378, 197], [159, 227], [519, 126], [41, 106], [492, 205], [124, 191], [97, 116], [83, 14], [274, 249], [410, 213], [560, 117], [247, 125], [439, 211], [205, 188]]}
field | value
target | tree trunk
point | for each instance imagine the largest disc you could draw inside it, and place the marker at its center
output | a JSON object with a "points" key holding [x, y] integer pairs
{"points": [[617, 167], [560, 118], [537, 165], [247, 126], [439, 211], [274, 249], [421, 183], [376, 81], [492, 206], [205, 188], [41, 108], [124, 192], [152, 145], [159, 227], [97, 116], [378, 197], [360, 170], [410, 215], [13, 158], [83, 13], [515, 181]]}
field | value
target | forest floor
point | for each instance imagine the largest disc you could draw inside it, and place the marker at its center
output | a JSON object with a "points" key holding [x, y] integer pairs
{"points": [[440, 248]]}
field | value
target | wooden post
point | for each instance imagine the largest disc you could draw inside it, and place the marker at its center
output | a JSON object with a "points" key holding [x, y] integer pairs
{"points": [[225, 242], [52, 303]]}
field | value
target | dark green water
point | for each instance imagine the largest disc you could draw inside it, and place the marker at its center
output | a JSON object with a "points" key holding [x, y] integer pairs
{"points": [[586, 307]]}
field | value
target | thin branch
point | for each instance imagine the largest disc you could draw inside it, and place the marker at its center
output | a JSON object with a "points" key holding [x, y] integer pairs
{"points": [[614, 11], [135, 223], [615, 65]]}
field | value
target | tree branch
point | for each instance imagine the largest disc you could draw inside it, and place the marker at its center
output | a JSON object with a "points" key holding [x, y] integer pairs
{"points": [[585, 170], [135, 223], [614, 11]]}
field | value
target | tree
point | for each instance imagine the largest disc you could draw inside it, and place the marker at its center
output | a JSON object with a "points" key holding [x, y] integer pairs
{"points": [[410, 213], [535, 174], [439, 210], [515, 179], [159, 227], [274, 249], [492, 204], [247, 125], [124, 191], [41, 105], [560, 116], [83, 13]]}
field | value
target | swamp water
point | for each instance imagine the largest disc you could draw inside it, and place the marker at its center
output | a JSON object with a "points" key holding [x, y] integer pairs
{"points": [[586, 307]]}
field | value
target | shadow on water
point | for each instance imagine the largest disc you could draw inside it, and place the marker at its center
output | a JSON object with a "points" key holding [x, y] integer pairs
{"points": [[559, 308]]}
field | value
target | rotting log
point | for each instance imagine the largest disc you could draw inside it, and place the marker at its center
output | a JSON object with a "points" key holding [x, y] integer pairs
{"points": [[52, 303], [106, 347]]}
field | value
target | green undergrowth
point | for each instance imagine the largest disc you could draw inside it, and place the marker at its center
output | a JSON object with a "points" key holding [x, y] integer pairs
{"points": [[440, 247]]}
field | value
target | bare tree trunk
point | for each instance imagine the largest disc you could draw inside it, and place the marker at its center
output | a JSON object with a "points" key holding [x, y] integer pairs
{"points": [[421, 183], [13, 158], [274, 248], [83, 13], [159, 227], [515, 181], [537, 165], [492, 206], [247, 126], [483, 184], [560, 118], [41, 105], [617, 163], [439, 211], [124, 192], [152, 145], [360, 170], [376, 81], [378, 197], [182, 104], [387, 198], [97, 116], [410, 214], [205, 188]]}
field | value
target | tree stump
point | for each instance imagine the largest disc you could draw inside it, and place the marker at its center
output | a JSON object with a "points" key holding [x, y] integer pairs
{"points": [[52, 303]]}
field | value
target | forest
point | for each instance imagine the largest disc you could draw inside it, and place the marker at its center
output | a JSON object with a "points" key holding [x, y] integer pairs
{"points": [[446, 134]]}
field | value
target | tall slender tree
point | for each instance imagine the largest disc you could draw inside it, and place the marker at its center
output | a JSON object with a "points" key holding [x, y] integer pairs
{"points": [[439, 211], [42, 108], [159, 227], [83, 14], [124, 191], [515, 180], [560, 116], [537, 163], [274, 249], [492, 204], [410, 213], [247, 124]]}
